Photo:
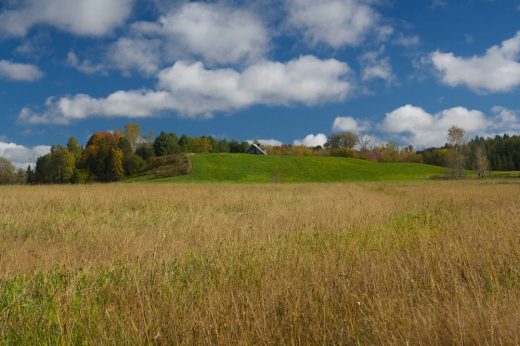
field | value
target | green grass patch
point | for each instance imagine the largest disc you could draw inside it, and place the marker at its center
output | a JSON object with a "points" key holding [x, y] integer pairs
{"points": [[243, 168], [506, 174]]}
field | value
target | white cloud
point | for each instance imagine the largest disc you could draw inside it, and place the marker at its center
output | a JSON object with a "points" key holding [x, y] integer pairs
{"points": [[22, 156], [312, 140], [336, 23], [504, 121], [81, 17], [423, 129], [407, 41], [139, 54], [85, 66], [215, 33], [19, 72], [384, 32], [496, 71], [192, 90], [35, 46], [375, 66], [131, 104], [349, 124], [268, 142]]}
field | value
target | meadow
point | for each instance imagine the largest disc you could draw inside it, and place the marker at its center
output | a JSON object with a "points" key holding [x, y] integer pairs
{"points": [[428, 262], [244, 168]]}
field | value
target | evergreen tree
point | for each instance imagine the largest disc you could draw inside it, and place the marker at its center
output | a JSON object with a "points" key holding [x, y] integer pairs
{"points": [[166, 144], [145, 151], [185, 144], [30, 176]]}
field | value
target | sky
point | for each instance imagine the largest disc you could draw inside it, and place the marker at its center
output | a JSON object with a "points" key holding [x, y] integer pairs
{"points": [[277, 71]]}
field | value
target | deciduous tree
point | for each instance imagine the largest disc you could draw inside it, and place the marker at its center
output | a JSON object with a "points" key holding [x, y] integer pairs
{"points": [[481, 162], [347, 140], [75, 149], [457, 140], [7, 171], [133, 133]]}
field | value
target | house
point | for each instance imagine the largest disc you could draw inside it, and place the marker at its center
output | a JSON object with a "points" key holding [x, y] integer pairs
{"points": [[256, 150]]}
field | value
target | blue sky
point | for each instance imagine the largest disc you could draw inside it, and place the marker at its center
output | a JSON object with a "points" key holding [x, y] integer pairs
{"points": [[290, 71]]}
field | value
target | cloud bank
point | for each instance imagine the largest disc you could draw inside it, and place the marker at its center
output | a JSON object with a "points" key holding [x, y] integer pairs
{"points": [[192, 90], [498, 70], [22, 156], [422, 129]]}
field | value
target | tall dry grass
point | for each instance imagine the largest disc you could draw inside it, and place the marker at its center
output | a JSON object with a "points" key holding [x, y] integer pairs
{"points": [[392, 263]]}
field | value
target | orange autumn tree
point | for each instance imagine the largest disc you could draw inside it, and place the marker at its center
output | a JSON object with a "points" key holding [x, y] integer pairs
{"points": [[102, 156]]}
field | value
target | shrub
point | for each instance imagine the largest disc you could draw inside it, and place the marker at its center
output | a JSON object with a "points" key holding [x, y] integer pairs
{"points": [[170, 166], [134, 165], [344, 152]]}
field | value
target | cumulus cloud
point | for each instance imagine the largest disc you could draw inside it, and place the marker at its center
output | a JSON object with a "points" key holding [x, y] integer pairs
{"points": [[81, 17], [143, 55], [215, 33], [376, 66], [498, 70], [132, 104], [22, 156], [193, 90], [336, 23], [312, 140], [19, 72], [414, 125], [349, 124], [422, 129], [504, 121], [268, 142]]}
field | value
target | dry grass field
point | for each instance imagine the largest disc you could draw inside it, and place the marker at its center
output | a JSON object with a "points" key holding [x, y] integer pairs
{"points": [[357, 263]]}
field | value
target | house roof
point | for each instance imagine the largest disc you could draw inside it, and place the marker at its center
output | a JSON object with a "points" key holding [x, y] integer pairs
{"points": [[254, 146]]}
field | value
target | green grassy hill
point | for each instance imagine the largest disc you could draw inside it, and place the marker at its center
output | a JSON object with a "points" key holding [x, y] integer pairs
{"points": [[243, 168]]}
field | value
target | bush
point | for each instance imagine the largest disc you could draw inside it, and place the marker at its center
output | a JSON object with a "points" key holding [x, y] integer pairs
{"points": [[170, 166], [344, 152], [80, 176], [145, 151], [411, 158], [134, 165]]}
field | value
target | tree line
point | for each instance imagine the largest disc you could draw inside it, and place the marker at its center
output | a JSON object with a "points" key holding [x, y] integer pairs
{"points": [[110, 156], [483, 155]]}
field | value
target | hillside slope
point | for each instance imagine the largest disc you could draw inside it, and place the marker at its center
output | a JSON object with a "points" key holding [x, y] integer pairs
{"points": [[245, 168]]}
